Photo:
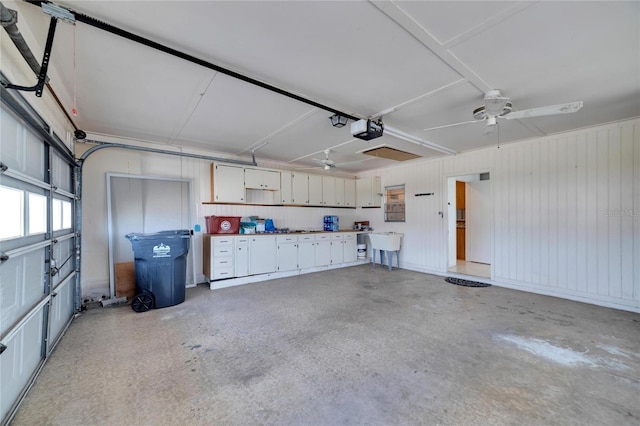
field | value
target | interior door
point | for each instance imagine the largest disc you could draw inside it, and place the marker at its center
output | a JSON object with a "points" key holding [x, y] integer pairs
{"points": [[478, 221]]}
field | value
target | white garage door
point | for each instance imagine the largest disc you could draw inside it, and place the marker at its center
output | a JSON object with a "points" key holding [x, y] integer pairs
{"points": [[37, 253]]}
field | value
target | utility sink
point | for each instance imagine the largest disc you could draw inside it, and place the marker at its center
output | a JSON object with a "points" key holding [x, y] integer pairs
{"points": [[388, 243]]}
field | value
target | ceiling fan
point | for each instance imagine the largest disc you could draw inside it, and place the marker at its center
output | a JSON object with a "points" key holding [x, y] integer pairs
{"points": [[327, 164], [498, 106]]}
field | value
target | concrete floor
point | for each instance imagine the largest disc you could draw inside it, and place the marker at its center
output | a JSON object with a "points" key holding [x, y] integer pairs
{"points": [[347, 346]]}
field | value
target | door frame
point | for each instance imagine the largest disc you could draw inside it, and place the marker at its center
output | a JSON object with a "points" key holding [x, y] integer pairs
{"points": [[445, 190], [112, 285]]}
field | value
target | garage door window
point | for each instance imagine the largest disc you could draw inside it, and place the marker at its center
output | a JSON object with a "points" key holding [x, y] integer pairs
{"points": [[61, 215], [37, 214], [11, 213]]}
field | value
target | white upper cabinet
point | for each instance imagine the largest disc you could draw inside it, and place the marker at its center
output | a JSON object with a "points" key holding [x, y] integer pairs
{"points": [[349, 193], [227, 184], [285, 187], [262, 179], [315, 190], [241, 185], [300, 189], [368, 192], [340, 185], [329, 191]]}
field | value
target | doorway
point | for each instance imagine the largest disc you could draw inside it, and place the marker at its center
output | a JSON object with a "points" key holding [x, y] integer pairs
{"points": [[144, 204], [469, 225]]}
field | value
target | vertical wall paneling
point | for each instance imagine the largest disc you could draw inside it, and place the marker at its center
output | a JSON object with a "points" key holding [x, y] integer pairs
{"points": [[591, 229], [636, 212], [603, 223], [614, 204], [581, 191], [627, 205]]}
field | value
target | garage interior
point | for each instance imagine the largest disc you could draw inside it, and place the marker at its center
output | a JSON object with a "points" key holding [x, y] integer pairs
{"points": [[500, 140]]}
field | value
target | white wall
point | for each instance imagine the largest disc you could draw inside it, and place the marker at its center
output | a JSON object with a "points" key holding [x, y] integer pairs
{"points": [[566, 213]]}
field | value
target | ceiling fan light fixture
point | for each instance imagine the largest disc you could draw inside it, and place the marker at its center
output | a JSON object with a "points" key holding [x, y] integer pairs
{"points": [[481, 113], [338, 120]]}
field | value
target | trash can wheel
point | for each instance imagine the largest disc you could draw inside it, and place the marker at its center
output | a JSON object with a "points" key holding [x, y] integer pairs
{"points": [[142, 302]]}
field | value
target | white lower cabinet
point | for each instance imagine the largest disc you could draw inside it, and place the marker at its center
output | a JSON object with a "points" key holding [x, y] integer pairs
{"points": [[235, 256], [218, 257], [287, 252], [241, 258], [263, 258], [323, 250], [306, 251], [350, 252], [337, 245]]}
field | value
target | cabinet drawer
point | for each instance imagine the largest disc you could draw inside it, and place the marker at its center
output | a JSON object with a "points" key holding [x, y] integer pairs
{"points": [[242, 241], [306, 238], [287, 239], [337, 236], [221, 273], [222, 251], [222, 262], [349, 236], [221, 241], [323, 237]]}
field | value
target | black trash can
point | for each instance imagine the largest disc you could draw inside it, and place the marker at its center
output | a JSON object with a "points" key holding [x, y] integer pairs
{"points": [[160, 267]]}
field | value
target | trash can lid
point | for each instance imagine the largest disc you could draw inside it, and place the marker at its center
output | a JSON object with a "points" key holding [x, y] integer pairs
{"points": [[182, 233]]}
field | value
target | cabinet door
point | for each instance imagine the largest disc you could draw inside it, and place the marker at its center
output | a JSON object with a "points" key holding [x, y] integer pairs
{"points": [[315, 190], [376, 191], [261, 179], [228, 184], [340, 194], [328, 191], [299, 188], [337, 255], [306, 253], [363, 192], [287, 256], [271, 180], [349, 192], [350, 248], [323, 253], [262, 254], [242, 257], [285, 188]]}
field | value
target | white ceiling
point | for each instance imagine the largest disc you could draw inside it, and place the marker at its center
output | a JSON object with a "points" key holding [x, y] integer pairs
{"points": [[418, 64]]}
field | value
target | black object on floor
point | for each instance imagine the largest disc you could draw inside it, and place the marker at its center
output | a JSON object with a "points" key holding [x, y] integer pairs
{"points": [[466, 283]]}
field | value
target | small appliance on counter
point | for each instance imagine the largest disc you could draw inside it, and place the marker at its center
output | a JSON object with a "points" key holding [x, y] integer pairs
{"points": [[361, 226]]}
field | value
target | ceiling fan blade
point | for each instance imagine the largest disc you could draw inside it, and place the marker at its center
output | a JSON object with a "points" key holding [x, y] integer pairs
{"points": [[452, 125], [548, 110]]}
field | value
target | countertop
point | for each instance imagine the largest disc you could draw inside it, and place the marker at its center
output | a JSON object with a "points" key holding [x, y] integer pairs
{"points": [[295, 232]]}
